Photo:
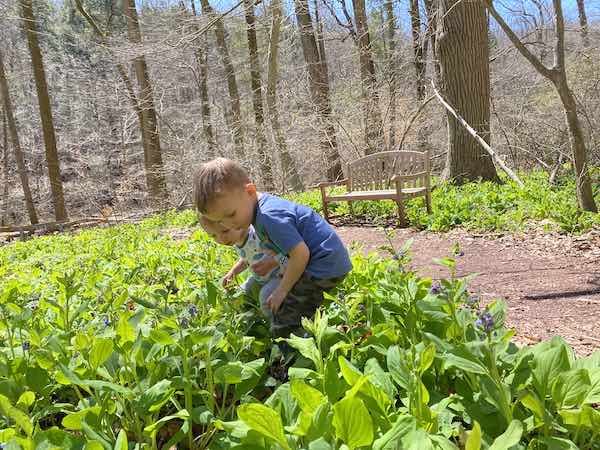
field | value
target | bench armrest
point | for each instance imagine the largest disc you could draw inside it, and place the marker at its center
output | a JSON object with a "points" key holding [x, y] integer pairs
{"points": [[324, 184]]}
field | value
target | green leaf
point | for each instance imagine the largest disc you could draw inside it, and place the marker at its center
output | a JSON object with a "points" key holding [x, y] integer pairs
{"points": [[352, 422], [593, 395], [93, 445], [463, 360], [55, 439], [121, 443], [162, 337], [554, 443], [389, 441], [308, 397], [417, 440], [125, 331], [571, 388], [397, 367], [153, 398], [153, 428], [73, 421], [320, 444], [101, 351], [26, 400], [20, 418], [307, 348], [510, 437], [264, 420], [230, 373], [547, 366], [426, 358], [474, 439]]}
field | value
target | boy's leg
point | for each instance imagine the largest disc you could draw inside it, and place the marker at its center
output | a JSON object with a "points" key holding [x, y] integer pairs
{"points": [[265, 291], [302, 301]]}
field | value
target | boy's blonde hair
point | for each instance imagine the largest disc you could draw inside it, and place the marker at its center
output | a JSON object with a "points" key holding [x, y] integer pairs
{"points": [[214, 177]]}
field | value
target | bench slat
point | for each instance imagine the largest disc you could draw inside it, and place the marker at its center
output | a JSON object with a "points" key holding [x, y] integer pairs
{"points": [[389, 194]]}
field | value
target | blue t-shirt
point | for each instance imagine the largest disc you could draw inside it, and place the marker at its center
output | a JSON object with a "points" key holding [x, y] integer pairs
{"points": [[286, 224]]}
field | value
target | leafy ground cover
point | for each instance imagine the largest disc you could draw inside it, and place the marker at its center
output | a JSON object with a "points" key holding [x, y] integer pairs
{"points": [[121, 338], [483, 206]]}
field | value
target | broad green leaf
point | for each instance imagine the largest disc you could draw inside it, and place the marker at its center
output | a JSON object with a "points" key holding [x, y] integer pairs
{"points": [[417, 440], [531, 401], [380, 378], [462, 360], [593, 395], [307, 348], [55, 439], [162, 337], [510, 437], [352, 422], [389, 441], [264, 420], [101, 351], [153, 398], [397, 368], [121, 443], [93, 445], [547, 366], [125, 331], [73, 421], [230, 373], [26, 400], [20, 418], [426, 358], [308, 397], [153, 428], [571, 388], [555, 443], [474, 439], [320, 444]]}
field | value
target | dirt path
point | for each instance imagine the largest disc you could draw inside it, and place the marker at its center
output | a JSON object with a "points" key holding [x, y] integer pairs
{"points": [[550, 282]]}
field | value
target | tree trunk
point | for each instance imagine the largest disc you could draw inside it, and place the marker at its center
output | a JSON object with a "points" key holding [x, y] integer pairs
{"points": [[264, 158], [558, 75], [155, 177], [583, 23], [9, 121], [392, 64], [288, 165], [431, 9], [415, 24], [235, 112], [462, 41], [319, 89], [56, 187], [372, 116], [202, 63], [5, 184]]}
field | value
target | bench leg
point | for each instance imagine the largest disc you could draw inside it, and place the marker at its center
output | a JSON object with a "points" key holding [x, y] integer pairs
{"points": [[401, 214], [325, 210], [428, 201]]}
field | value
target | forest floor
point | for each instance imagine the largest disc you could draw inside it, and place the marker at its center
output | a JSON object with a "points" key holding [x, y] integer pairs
{"points": [[551, 282]]}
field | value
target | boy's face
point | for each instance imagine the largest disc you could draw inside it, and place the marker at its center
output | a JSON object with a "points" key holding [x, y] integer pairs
{"points": [[219, 233], [234, 208]]}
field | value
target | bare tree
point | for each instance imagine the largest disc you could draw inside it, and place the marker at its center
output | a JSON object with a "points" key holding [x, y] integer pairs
{"points": [[234, 114], [558, 76], [462, 48], [419, 43], [5, 178], [155, 177], [56, 187], [583, 23], [288, 164], [264, 158], [202, 80], [319, 88], [392, 68], [372, 116], [10, 123]]}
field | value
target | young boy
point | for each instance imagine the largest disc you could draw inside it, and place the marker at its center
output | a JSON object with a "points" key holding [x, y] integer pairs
{"points": [[317, 258], [251, 251]]}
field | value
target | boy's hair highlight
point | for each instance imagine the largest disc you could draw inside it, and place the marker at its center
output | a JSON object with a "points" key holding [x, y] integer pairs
{"points": [[213, 178]]}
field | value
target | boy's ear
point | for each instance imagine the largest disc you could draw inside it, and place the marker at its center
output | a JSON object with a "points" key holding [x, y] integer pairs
{"points": [[250, 188]]}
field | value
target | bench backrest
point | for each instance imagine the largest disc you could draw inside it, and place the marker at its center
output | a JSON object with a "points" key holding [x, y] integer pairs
{"points": [[374, 172]]}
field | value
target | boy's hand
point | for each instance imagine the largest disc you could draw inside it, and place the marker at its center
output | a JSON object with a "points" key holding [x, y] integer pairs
{"points": [[275, 300], [227, 279], [264, 266]]}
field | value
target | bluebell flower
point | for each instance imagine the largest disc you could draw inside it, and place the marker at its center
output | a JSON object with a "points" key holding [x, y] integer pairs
{"points": [[436, 288], [25, 345], [183, 322], [193, 310], [106, 321], [485, 321], [361, 307]]}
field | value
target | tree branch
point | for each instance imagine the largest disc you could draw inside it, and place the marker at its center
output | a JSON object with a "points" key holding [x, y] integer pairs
{"points": [[541, 68], [478, 138]]}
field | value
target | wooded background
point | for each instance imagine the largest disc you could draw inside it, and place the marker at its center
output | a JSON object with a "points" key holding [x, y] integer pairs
{"points": [[118, 101]]}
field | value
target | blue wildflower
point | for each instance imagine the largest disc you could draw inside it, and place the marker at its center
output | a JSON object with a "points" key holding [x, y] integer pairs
{"points": [[106, 321], [361, 307], [436, 288], [485, 321], [193, 310], [25, 345], [184, 322]]}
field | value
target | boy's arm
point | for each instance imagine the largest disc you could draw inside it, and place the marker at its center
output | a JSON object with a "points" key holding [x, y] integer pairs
{"points": [[237, 268], [297, 262]]}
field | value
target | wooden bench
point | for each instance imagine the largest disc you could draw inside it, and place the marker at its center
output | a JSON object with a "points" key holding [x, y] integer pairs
{"points": [[396, 176]]}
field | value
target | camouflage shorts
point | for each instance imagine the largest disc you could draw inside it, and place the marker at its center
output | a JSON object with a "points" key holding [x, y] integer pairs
{"points": [[302, 301]]}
